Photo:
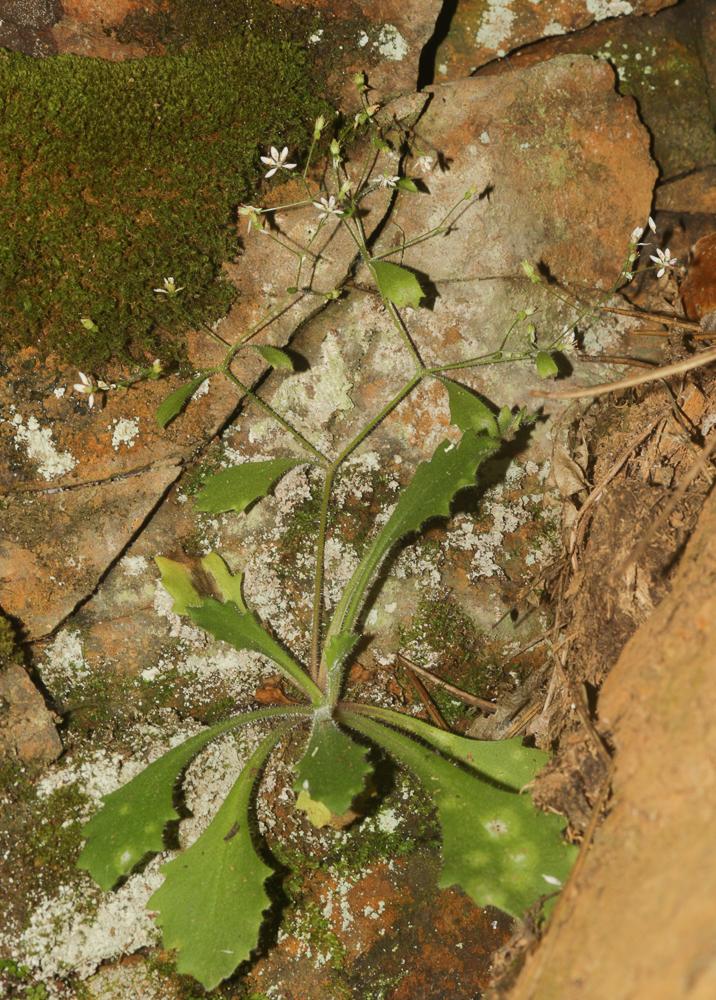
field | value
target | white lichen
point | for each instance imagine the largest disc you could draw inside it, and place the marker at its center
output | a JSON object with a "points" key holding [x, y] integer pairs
{"points": [[125, 432], [63, 662], [608, 8], [390, 44], [496, 26], [40, 448]]}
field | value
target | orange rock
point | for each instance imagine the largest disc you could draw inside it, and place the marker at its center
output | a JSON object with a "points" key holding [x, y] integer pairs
{"points": [[698, 290], [26, 727]]}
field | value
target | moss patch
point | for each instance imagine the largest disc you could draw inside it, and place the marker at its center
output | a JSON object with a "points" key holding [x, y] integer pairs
{"points": [[40, 842], [182, 23], [114, 175], [9, 652]]}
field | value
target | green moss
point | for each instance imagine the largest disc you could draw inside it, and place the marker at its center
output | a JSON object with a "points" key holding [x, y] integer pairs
{"points": [[465, 656], [182, 23], [441, 626], [9, 652], [114, 175], [299, 537], [309, 924], [40, 839]]}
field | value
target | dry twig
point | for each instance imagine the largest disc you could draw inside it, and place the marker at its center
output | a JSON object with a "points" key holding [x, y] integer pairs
{"points": [[666, 371], [469, 699]]}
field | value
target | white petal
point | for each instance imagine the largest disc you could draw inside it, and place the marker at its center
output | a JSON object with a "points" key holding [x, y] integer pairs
{"points": [[264, 159], [274, 153], [90, 401], [270, 173], [662, 271], [288, 166]]}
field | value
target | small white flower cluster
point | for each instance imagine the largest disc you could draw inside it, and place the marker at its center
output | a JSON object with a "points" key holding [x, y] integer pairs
{"points": [[662, 258], [87, 386]]}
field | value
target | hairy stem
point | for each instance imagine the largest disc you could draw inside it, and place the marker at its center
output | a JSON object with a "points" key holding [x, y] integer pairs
{"points": [[318, 578], [267, 408]]}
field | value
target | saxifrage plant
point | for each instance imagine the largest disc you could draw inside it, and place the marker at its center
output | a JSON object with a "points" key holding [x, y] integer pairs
{"points": [[496, 845]]}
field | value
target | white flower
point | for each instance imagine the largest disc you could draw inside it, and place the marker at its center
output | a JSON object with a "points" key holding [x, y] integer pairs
{"points": [[636, 235], [277, 161], [253, 216], [88, 387], [424, 164], [169, 288], [386, 181], [326, 207], [638, 232], [664, 260], [568, 339]]}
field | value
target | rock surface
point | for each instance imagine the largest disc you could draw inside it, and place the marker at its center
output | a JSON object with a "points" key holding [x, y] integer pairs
{"points": [[654, 843], [387, 41], [142, 676], [55, 546], [483, 30], [26, 727], [664, 62]]}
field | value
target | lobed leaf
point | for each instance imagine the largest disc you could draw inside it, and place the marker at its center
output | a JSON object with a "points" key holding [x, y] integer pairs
{"points": [[505, 761], [333, 768], [467, 411], [177, 400], [228, 584], [177, 581], [397, 284], [131, 821], [243, 630], [211, 903], [497, 846], [428, 495], [238, 487], [231, 621]]}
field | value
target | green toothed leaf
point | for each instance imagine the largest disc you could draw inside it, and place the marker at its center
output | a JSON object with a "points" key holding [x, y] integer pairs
{"points": [[397, 284], [212, 901], [497, 846], [243, 630], [274, 355], [505, 761], [333, 769], [429, 494], [238, 487], [177, 400], [467, 411], [228, 584], [131, 821], [177, 581], [231, 622]]}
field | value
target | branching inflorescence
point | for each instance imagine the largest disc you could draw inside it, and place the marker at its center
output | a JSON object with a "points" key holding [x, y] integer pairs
{"points": [[496, 845]]}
